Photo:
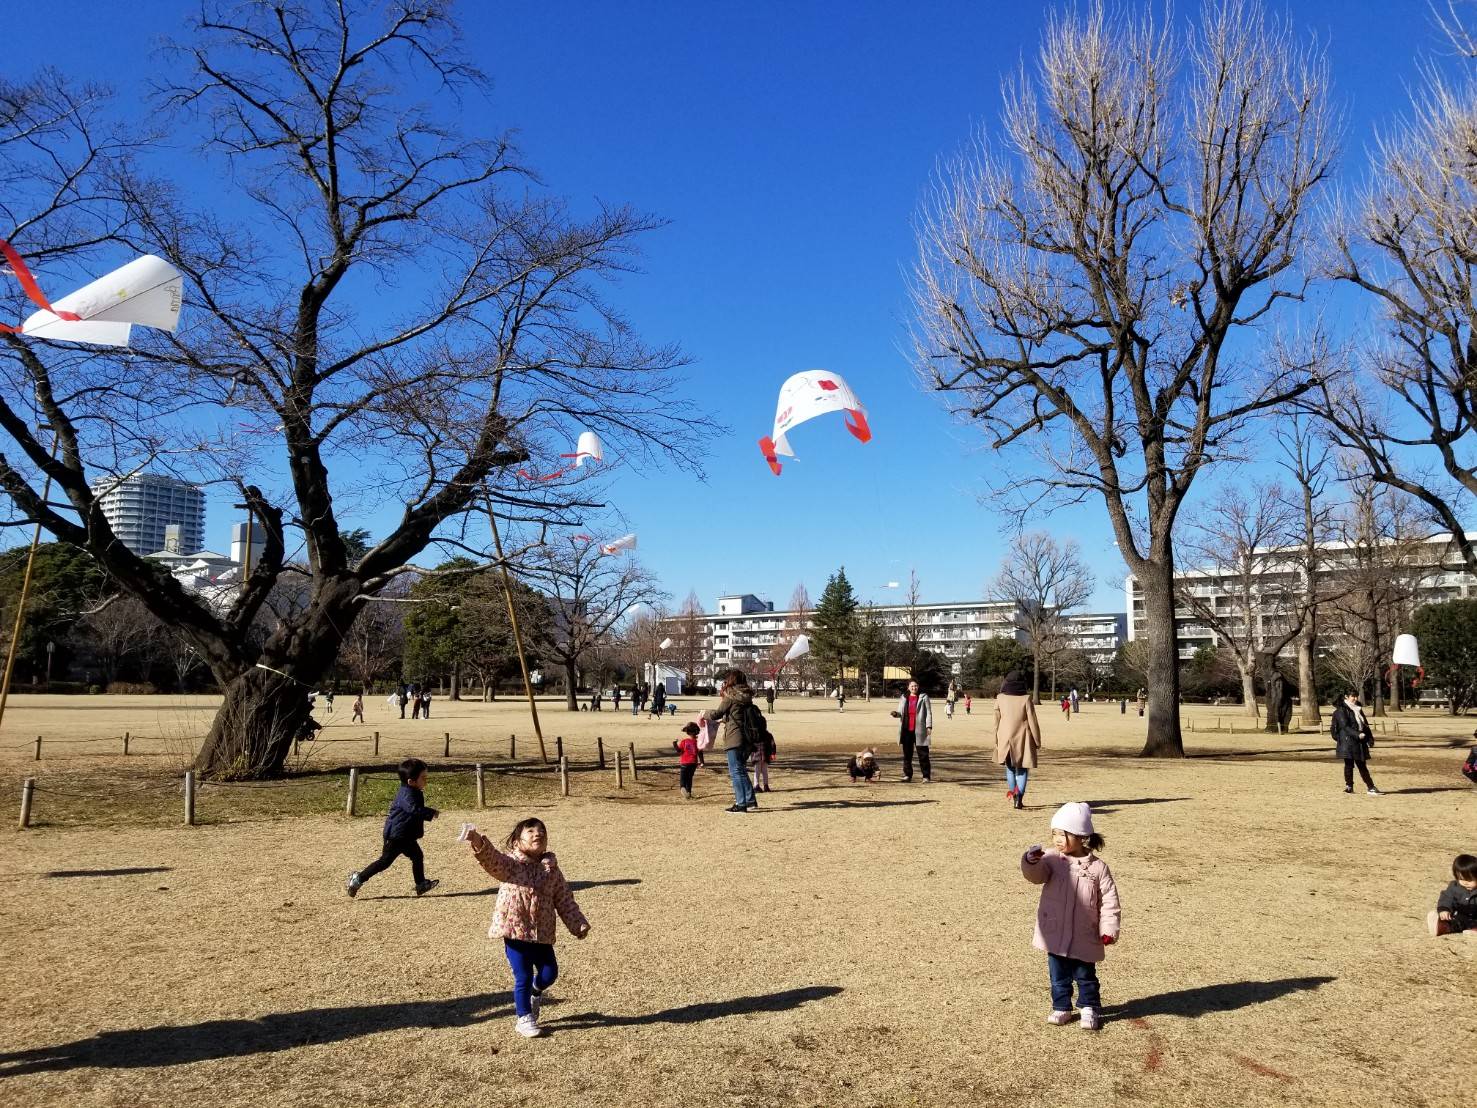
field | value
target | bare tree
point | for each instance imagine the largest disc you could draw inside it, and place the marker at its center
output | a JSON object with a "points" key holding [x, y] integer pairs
{"points": [[1248, 593], [1043, 582], [689, 634], [590, 595], [911, 626], [336, 178], [1306, 459], [1082, 281], [801, 669], [117, 631]]}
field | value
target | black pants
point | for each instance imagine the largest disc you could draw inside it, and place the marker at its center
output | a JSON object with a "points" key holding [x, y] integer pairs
{"points": [[1349, 764], [687, 773], [393, 849], [909, 744]]}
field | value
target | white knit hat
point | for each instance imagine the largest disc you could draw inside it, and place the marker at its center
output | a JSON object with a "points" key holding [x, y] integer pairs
{"points": [[1074, 819]]}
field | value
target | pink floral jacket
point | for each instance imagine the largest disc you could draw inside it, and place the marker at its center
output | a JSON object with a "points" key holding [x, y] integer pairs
{"points": [[530, 891], [1079, 904]]}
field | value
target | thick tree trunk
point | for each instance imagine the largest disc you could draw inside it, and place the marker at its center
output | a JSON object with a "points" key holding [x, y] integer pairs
{"points": [[1307, 677], [571, 679], [252, 733], [456, 681], [1248, 692], [1279, 697], [1163, 739]]}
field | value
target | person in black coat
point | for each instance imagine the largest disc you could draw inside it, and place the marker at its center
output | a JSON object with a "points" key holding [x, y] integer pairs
{"points": [[1353, 738], [404, 826], [1456, 908]]}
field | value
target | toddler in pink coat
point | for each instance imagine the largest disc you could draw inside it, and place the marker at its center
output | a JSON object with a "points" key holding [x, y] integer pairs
{"points": [[1078, 916]]}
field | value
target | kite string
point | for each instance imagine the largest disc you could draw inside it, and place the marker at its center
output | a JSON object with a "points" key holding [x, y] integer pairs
{"points": [[32, 289]]}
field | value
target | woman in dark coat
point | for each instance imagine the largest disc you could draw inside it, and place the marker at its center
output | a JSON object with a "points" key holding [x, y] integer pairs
{"points": [[1353, 738]]}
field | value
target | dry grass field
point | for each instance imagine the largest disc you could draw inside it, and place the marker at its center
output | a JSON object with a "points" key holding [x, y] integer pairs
{"points": [[848, 945]]}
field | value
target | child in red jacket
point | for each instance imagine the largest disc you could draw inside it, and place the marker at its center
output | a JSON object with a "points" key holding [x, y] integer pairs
{"points": [[688, 758]]}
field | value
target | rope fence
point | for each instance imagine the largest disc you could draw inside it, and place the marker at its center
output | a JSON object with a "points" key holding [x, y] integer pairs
{"points": [[192, 787]]}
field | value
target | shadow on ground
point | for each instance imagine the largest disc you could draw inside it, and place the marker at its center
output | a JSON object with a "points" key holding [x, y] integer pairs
{"points": [[832, 804], [699, 1013], [575, 886], [1226, 997], [122, 871], [1103, 807], [198, 1042]]}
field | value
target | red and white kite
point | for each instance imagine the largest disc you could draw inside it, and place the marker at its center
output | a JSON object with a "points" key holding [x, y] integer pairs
{"points": [[147, 291], [805, 396], [588, 446], [625, 542]]}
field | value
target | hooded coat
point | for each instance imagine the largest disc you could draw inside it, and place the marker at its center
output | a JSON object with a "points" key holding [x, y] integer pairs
{"points": [[1017, 731], [1351, 733], [1079, 904], [737, 699]]}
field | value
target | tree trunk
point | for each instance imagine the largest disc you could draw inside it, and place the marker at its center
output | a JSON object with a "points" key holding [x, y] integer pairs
{"points": [[1307, 677], [1163, 739], [252, 733], [1248, 691], [1035, 677], [456, 681], [571, 679]]}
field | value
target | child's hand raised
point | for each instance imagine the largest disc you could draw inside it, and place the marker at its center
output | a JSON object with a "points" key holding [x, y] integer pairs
{"points": [[1035, 853], [476, 838]]}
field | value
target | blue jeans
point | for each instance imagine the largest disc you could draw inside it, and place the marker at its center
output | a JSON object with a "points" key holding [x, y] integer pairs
{"points": [[534, 966], [1016, 778], [1066, 970], [738, 777]]}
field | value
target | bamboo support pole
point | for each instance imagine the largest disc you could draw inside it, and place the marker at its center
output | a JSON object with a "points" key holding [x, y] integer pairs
{"points": [[517, 634]]}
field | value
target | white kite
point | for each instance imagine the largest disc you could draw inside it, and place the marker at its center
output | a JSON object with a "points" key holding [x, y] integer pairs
{"points": [[625, 542], [147, 291], [665, 644], [800, 646], [805, 396], [588, 446]]}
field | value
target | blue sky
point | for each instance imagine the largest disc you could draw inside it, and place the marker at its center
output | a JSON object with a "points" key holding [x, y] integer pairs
{"points": [[789, 145]]}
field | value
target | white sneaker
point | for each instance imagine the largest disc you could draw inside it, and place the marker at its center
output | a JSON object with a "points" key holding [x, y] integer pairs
{"points": [[1058, 1017], [528, 1027], [1090, 1022], [1375, 792]]}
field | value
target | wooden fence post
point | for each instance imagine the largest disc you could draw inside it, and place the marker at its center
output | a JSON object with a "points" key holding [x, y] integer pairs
{"points": [[481, 788], [513, 747], [600, 750], [189, 798], [27, 788], [633, 762], [376, 744], [38, 748], [620, 782], [353, 790], [446, 750], [563, 775], [125, 742], [558, 746]]}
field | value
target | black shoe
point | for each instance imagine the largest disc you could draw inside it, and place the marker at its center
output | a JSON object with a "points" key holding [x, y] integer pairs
{"points": [[1348, 788], [735, 808], [1019, 803], [426, 886]]}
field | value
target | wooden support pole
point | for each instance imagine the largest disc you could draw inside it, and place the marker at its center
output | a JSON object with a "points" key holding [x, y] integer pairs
{"points": [[353, 790], [29, 786], [513, 747], [376, 744], [481, 787], [633, 762], [600, 750], [38, 748], [620, 781], [563, 775], [558, 746], [189, 798], [446, 750], [125, 742]]}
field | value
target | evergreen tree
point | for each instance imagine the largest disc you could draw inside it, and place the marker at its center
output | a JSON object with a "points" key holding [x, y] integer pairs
{"points": [[835, 625]]}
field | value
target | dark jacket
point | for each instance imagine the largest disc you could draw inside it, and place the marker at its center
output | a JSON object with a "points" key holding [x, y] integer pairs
{"points": [[1462, 904], [1352, 740], [408, 815], [737, 701]]}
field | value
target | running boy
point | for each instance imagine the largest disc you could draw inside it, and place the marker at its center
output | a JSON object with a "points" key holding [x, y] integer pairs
{"points": [[404, 826]]}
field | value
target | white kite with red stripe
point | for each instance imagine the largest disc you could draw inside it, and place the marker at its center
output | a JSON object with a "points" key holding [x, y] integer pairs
{"points": [[147, 292], [805, 396], [625, 542]]}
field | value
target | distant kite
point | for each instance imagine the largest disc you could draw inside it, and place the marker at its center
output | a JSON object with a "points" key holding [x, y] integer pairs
{"points": [[588, 446], [147, 292], [665, 644], [800, 646], [625, 542], [805, 396]]}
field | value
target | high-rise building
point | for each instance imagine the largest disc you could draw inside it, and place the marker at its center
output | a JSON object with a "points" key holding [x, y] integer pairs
{"points": [[141, 506]]}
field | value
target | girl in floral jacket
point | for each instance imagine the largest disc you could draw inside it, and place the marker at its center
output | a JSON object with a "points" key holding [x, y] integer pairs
{"points": [[531, 890], [1078, 915]]}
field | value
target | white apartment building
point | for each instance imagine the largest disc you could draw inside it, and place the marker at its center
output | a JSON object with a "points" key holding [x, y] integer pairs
{"points": [[1098, 635], [140, 506], [1437, 572], [744, 630]]}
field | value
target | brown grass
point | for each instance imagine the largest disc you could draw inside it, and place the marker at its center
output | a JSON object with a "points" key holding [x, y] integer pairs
{"points": [[848, 945]]}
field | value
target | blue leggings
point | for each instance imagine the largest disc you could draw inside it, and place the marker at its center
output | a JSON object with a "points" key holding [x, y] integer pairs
{"points": [[1016, 778], [534, 969]]}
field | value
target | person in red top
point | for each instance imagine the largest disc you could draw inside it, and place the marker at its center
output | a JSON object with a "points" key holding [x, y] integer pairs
{"points": [[687, 759], [914, 714]]}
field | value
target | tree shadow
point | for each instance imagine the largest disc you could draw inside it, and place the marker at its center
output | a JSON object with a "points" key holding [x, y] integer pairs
{"points": [[576, 886], [1107, 806], [830, 804], [1225, 997], [122, 871], [698, 1013], [198, 1042], [1429, 789]]}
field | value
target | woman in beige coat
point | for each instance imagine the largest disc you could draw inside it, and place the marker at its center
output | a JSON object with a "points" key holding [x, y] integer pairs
{"points": [[1017, 735]]}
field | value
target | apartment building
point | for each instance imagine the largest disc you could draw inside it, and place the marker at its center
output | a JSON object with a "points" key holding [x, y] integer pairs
{"points": [[141, 506], [1432, 568], [1097, 635]]}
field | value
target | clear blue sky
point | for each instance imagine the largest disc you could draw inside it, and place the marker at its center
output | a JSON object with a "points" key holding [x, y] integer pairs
{"points": [[789, 145]]}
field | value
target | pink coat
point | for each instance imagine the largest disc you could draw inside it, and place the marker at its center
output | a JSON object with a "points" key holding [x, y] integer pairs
{"points": [[529, 893], [1079, 904]]}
